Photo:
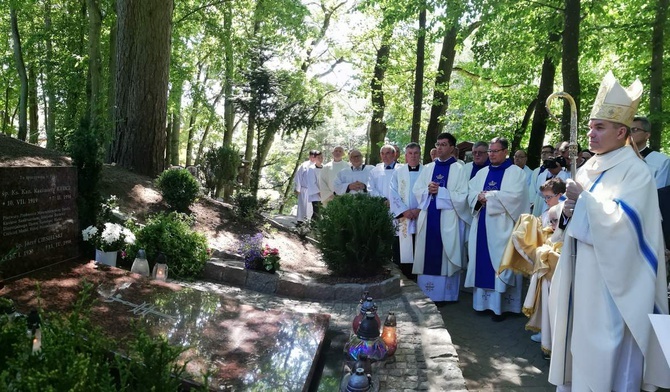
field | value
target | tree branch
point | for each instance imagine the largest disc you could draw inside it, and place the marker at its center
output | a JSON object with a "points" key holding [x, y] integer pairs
{"points": [[473, 75], [193, 11]]}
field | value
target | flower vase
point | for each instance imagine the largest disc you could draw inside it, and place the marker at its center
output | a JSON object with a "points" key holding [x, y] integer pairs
{"points": [[108, 258]]}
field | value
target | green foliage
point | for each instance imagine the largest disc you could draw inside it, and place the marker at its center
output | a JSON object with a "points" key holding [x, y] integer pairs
{"points": [[179, 188], [77, 356], [85, 149], [248, 207], [221, 166], [355, 234], [186, 251], [151, 362]]}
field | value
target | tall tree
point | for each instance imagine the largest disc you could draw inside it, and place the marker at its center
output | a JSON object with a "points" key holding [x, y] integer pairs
{"points": [[570, 62], [441, 89], [377, 124], [23, 76], [143, 59], [656, 77], [32, 107], [49, 87], [95, 97], [418, 75]]}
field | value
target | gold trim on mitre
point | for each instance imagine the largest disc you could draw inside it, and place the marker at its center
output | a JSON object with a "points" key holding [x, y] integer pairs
{"points": [[615, 103]]}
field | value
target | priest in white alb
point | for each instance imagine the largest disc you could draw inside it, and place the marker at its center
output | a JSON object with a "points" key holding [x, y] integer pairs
{"points": [[441, 191], [329, 174], [498, 195], [405, 206]]}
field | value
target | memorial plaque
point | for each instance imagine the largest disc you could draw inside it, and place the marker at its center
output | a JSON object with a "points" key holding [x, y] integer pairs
{"points": [[38, 218]]}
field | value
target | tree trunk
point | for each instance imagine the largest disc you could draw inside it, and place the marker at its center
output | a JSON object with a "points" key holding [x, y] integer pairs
{"points": [[212, 117], [656, 76], [5, 112], [377, 124], [198, 96], [440, 94], [418, 78], [249, 150], [32, 107], [539, 126], [111, 82], [50, 118], [289, 185], [177, 92], [143, 55], [94, 65], [23, 76], [229, 65], [191, 132], [570, 62], [521, 130]]}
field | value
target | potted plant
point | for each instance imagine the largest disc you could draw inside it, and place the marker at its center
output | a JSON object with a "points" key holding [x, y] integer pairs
{"points": [[107, 236], [256, 256]]}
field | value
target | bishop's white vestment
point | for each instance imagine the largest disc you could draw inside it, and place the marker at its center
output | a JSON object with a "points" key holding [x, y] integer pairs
{"points": [[602, 336], [659, 166]]}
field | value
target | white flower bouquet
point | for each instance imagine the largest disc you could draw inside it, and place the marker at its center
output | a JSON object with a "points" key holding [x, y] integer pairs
{"points": [[108, 238]]}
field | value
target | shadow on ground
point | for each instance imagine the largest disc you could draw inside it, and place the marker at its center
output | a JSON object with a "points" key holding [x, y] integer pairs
{"points": [[495, 355]]}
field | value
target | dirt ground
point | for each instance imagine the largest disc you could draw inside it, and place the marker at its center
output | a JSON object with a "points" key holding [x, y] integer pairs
{"points": [[138, 196]]}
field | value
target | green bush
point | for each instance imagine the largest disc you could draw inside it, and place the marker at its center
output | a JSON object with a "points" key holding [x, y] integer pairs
{"points": [[355, 234], [171, 234], [221, 167], [248, 207], [179, 188], [77, 356]]}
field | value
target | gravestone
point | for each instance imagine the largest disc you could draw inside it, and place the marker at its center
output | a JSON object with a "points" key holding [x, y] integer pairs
{"points": [[241, 347], [38, 211]]}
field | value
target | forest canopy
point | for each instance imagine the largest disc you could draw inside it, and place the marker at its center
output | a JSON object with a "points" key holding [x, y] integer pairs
{"points": [[162, 82]]}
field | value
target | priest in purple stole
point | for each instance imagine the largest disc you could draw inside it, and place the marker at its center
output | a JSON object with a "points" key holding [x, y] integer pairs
{"points": [[497, 196], [441, 191]]}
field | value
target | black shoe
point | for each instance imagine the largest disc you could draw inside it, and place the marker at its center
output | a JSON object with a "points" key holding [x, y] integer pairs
{"points": [[498, 318]]}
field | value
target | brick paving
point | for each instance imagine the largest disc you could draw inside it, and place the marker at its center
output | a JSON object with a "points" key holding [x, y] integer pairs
{"points": [[424, 361]]}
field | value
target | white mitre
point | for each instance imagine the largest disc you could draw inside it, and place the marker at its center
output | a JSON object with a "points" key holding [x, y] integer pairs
{"points": [[615, 103]]}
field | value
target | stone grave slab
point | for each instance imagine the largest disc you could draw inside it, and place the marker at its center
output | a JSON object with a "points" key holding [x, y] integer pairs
{"points": [[38, 211], [244, 348]]}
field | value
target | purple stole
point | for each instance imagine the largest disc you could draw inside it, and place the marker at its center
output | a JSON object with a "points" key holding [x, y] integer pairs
{"points": [[484, 273], [476, 168], [432, 264]]}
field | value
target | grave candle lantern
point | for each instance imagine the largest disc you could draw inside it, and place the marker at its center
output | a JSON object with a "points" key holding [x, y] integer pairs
{"points": [[160, 271], [390, 333], [367, 340], [34, 331], [140, 265]]}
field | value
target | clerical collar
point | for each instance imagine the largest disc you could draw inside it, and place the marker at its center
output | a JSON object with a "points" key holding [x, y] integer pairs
{"points": [[412, 169], [358, 168], [645, 151]]}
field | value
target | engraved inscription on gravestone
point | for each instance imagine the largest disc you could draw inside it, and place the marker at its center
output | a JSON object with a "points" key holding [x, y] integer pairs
{"points": [[38, 218]]}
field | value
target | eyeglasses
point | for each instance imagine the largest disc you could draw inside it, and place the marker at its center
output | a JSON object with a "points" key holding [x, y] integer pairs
{"points": [[478, 152], [636, 130], [441, 144], [496, 151], [547, 197]]}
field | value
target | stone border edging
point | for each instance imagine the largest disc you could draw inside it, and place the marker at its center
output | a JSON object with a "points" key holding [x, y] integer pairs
{"points": [[295, 285]]}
